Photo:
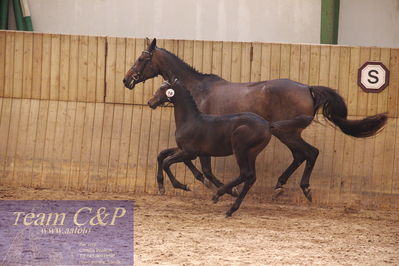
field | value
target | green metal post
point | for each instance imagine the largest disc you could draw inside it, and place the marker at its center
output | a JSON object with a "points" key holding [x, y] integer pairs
{"points": [[3, 14], [18, 15], [26, 15], [329, 21]]}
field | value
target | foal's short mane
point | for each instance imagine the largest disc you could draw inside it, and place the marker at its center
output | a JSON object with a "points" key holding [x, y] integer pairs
{"points": [[188, 67], [189, 97]]}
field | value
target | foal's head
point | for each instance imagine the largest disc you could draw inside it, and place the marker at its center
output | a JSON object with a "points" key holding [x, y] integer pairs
{"points": [[163, 94], [143, 68]]}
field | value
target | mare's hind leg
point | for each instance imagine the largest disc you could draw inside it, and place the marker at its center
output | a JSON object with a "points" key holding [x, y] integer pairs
{"points": [[301, 151], [176, 157], [207, 170]]}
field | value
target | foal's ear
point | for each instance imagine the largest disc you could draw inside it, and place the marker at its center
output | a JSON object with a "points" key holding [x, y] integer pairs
{"points": [[152, 45]]}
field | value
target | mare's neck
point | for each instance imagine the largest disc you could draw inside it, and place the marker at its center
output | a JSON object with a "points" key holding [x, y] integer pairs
{"points": [[185, 109]]}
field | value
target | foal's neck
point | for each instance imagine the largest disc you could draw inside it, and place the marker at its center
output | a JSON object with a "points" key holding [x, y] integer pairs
{"points": [[185, 108]]}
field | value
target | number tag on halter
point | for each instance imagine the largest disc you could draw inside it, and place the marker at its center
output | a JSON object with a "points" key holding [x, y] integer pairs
{"points": [[170, 93]]}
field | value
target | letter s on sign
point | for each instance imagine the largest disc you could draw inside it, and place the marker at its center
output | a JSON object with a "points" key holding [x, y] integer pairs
{"points": [[375, 78]]}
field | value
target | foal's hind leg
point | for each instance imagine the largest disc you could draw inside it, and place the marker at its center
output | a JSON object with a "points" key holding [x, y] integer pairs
{"points": [[301, 151], [207, 170]]}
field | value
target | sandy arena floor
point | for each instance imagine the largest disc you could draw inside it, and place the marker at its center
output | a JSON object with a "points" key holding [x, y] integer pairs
{"points": [[176, 230]]}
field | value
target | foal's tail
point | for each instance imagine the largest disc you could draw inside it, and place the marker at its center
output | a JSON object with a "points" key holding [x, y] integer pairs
{"points": [[335, 110], [300, 121]]}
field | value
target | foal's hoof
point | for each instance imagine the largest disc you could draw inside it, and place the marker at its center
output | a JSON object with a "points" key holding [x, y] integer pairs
{"points": [[215, 198], [308, 194], [228, 214], [234, 192], [186, 188], [161, 190], [207, 183], [277, 193]]}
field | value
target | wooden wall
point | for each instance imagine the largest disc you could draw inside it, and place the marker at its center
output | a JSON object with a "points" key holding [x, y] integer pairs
{"points": [[66, 121]]}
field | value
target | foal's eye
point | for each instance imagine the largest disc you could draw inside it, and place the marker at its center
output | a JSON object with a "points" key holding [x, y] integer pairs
{"points": [[141, 59]]}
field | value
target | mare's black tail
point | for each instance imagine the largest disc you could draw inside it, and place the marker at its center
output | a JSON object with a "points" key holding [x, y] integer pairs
{"points": [[335, 110]]}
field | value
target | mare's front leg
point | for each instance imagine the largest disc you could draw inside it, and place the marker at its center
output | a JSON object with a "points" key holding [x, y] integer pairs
{"points": [[161, 157], [176, 157], [207, 170]]}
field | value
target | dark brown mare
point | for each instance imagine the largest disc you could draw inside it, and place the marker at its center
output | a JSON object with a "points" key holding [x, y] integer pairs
{"points": [[274, 100], [244, 134]]}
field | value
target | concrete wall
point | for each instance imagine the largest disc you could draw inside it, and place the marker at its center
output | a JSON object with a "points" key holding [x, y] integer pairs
{"points": [[369, 23], [295, 21]]}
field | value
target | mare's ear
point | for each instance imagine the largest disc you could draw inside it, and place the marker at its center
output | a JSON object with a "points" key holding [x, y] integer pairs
{"points": [[153, 45]]}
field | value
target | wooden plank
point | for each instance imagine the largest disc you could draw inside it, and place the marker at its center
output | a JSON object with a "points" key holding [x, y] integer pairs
{"points": [[207, 59], [12, 142], [139, 88], [5, 121], [57, 157], [256, 62], [73, 68], [85, 154], [382, 103], [362, 97], [198, 55], [275, 61], [100, 84], [92, 69], [295, 61], [245, 62], [304, 64], [349, 143], [321, 180], [122, 178], [30, 143], [116, 132], [18, 64], [101, 182], [130, 59], [82, 66], [132, 170], [217, 57], [143, 149], [27, 65], [21, 143], [77, 143], [37, 167], [329, 147], [49, 142], [119, 70], [55, 67], [2, 61], [153, 149], [37, 65], [9, 64], [372, 98], [69, 132], [46, 67], [64, 67], [96, 146], [285, 61]]}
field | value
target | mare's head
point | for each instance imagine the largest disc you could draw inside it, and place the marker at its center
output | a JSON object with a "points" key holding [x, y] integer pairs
{"points": [[164, 94], [143, 68]]}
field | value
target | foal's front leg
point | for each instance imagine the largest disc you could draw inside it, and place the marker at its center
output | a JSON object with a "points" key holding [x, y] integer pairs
{"points": [[161, 157], [176, 157]]}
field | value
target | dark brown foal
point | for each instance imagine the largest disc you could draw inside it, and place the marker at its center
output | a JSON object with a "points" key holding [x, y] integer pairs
{"points": [[243, 134]]}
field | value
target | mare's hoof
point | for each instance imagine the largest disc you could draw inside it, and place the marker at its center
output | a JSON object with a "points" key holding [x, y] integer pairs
{"points": [[228, 214], [277, 193], [215, 198], [186, 188], [308, 194], [234, 192], [161, 190]]}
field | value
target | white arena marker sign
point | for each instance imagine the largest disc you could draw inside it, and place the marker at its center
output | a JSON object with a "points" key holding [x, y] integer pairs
{"points": [[373, 77]]}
